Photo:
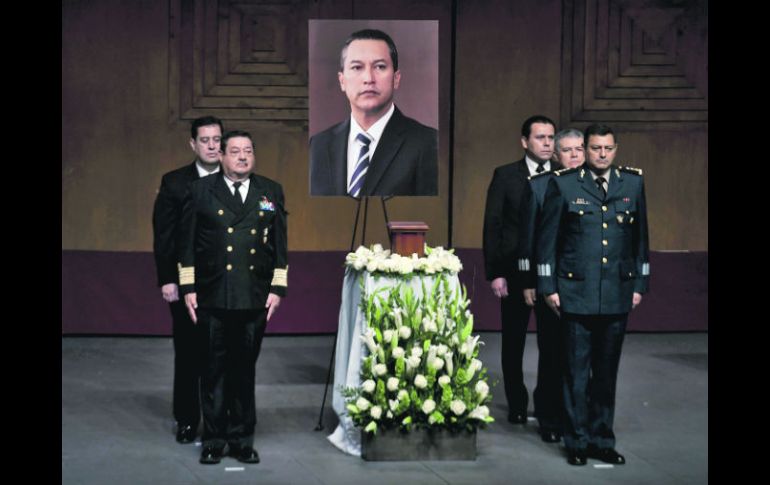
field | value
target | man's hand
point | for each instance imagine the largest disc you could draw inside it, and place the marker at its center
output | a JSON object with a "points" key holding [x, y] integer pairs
{"points": [[170, 292], [553, 302], [530, 296], [500, 287], [191, 302], [272, 304], [636, 300]]}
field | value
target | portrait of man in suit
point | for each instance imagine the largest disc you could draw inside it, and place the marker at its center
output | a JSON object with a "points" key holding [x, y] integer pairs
{"points": [[377, 150]]}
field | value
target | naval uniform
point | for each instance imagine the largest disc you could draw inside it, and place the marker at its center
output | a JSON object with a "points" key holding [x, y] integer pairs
{"points": [[547, 396], [593, 250], [233, 254]]}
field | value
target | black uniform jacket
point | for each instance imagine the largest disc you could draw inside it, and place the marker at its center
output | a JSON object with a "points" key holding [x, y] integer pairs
{"points": [[592, 250], [231, 254], [405, 161]]}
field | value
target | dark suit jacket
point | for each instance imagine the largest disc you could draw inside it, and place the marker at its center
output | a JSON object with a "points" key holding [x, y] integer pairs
{"points": [[165, 221], [404, 163], [592, 250], [232, 255], [502, 219]]}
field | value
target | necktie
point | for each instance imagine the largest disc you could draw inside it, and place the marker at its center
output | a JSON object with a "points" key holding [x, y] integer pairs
{"points": [[600, 183], [540, 168], [359, 173], [237, 193]]}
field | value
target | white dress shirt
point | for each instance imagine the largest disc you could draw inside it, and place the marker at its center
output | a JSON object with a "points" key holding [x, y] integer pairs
{"points": [[374, 133]]}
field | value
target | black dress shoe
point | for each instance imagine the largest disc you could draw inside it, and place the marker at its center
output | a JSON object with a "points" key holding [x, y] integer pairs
{"points": [[244, 454], [577, 457], [211, 455], [607, 455], [517, 418], [185, 434], [550, 436]]}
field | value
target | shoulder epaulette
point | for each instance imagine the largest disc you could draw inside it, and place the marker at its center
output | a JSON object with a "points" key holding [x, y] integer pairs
{"points": [[564, 171], [546, 172], [637, 171]]}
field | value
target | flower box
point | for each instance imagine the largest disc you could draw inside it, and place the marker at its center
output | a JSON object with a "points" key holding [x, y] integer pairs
{"points": [[418, 445]]}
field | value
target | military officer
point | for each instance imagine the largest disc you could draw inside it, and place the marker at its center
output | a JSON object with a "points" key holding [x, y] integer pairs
{"points": [[205, 136], [233, 274], [593, 267], [549, 406]]}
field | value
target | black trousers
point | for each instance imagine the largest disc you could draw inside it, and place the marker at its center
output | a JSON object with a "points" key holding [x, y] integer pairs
{"points": [[233, 341], [548, 394], [188, 358], [593, 345]]}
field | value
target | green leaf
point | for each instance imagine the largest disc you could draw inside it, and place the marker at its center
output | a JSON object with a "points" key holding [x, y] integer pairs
{"points": [[371, 427]]}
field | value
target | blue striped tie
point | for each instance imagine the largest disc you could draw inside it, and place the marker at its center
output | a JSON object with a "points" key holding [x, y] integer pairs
{"points": [[359, 174]]}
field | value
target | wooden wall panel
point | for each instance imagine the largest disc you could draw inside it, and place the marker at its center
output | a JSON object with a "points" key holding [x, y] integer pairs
{"points": [[129, 85]]}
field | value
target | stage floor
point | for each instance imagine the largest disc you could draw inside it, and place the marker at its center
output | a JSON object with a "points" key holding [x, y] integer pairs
{"points": [[117, 426]]}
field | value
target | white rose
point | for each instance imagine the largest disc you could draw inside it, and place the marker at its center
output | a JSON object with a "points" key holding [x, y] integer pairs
{"points": [[402, 394], [380, 369], [368, 386], [482, 389], [417, 351], [376, 412], [392, 384], [457, 407], [428, 406], [398, 352], [404, 332], [438, 363], [377, 248], [371, 266], [444, 380], [441, 349], [413, 362], [477, 365], [362, 404], [359, 264], [480, 412], [405, 266], [392, 404], [387, 335], [420, 381]]}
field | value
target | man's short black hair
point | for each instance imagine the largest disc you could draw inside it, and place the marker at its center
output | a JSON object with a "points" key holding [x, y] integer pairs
{"points": [[526, 128], [204, 121], [598, 129], [370, 34], [234, 134]]}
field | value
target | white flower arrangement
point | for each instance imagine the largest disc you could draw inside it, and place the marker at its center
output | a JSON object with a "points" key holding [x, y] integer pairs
{"points": [[422, 368], [377, 260]]}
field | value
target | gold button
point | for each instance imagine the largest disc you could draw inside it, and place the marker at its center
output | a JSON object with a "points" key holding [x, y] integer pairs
{"points": [[261, 213], [604, 225], [264, 240], [230, 230], [630, 274], [627, 212], [229, 267], [229, 249], [604, 260], [251, 267], [253, 251], [604, 242], [569, 275], [580, 212], [604, 208], [253, 231], [220, 212], [265, 231]]}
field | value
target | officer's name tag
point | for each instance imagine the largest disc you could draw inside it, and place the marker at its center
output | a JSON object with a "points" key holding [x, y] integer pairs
{"points": [[266, 205], [581, 201]]}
